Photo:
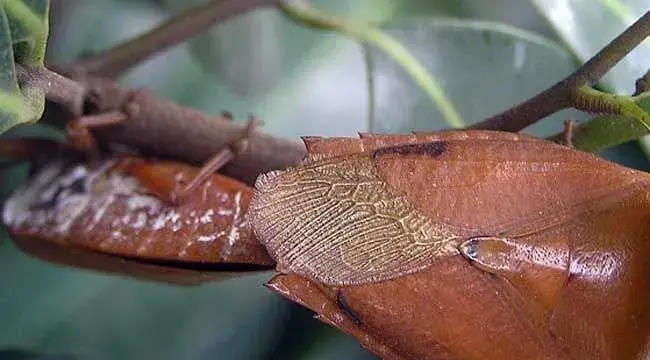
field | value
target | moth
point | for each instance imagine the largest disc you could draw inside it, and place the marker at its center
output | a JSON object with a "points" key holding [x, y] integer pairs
{"points": [[463, 245]]}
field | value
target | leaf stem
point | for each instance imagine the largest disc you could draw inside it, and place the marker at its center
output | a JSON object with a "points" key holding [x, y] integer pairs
{"points": [[370, 81], [303, 13], [562, 94]]}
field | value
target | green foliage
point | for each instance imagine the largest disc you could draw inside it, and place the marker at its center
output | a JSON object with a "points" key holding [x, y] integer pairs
{"points": [[485, 67], [23, 36], [302, 12]]}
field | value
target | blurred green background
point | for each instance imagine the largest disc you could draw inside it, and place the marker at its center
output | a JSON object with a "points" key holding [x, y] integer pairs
{"points": [[486, 55]]}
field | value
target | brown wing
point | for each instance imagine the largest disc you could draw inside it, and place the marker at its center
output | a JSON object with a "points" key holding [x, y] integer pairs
{"points": [[338, 222], [493, 184], [343, 216]]}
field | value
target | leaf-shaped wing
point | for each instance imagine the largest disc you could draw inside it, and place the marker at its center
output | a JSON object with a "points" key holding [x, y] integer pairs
{"points": [[338, 222]]}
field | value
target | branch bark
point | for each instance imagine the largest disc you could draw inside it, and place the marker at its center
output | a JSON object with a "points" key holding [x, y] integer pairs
{"points": [[170, 130], [163, 128], [58, 89]]}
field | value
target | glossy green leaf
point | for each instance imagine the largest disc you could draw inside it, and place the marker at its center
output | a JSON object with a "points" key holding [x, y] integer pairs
{"points": [[23, 36], [247, 58], [517, 13], [484, 68], [587, 26], [338, 347], [645, 145], [250, 53]]}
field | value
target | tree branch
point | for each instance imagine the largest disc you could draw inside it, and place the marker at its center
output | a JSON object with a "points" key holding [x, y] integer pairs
{"points": [[58, 89], [165, 129], [179, 28], [561, 95]]}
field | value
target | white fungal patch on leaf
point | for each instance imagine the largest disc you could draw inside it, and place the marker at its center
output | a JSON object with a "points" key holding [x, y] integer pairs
{"points": [[59, 195], [237, 222], [140, 221]]}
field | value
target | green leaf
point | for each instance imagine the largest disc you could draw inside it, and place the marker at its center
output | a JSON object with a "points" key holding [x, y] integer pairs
{"points": [[321, 88], [484, 68], [96, 316], [250, 53], [645, 145], [248, 58], [23, 37], [337, 347], [587, 26], [368, 34]]}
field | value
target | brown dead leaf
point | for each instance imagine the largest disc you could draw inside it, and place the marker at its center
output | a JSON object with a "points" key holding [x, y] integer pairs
{"points": [[98, 217]]}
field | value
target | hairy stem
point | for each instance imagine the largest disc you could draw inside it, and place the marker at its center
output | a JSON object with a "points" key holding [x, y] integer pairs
{"points": [[602, 132], [589, 99], [123, 57], [561, 95]]}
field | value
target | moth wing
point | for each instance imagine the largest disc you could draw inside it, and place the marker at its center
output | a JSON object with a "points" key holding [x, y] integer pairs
{"points": [[364, 210], [320, 148], [337, 222], [496, 184]]}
